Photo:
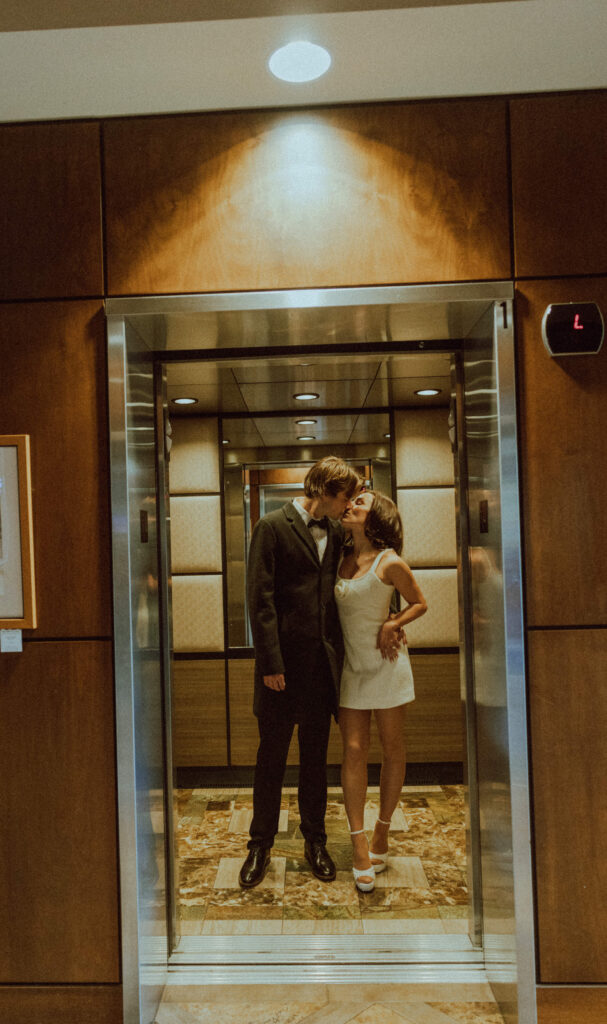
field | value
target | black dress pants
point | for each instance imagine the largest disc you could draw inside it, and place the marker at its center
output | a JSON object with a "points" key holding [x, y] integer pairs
{"points": [[276, 724]]}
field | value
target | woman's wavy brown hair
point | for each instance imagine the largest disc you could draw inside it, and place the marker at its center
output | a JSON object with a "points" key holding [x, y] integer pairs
{"points": [[383, 525]]}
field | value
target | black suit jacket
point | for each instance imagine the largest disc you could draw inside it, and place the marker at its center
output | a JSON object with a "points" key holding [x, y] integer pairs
{"points": [[292, 607]]}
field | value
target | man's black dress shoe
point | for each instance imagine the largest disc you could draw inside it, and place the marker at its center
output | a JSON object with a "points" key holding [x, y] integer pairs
{"points": [[254, 868], [319, 860]]}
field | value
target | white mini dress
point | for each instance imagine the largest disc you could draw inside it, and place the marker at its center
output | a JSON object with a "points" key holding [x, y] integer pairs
{"points": [[369, 681]]}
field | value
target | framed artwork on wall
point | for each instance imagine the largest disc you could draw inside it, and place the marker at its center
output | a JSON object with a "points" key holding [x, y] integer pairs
{"points": [[17, 583]]}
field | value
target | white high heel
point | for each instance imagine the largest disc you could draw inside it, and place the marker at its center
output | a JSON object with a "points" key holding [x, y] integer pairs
{"points": [[366, 873], [379, 861]]}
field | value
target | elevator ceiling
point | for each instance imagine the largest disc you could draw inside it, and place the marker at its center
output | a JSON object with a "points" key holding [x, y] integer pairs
{"points": [[361, 351], [351, 390]]}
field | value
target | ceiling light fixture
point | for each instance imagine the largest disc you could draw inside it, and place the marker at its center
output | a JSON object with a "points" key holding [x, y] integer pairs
{"points": [[305, 423], [386, 435], [306, 396], [225, 440], [306, 437], [428, 392], [185, 401], [299, 61]]}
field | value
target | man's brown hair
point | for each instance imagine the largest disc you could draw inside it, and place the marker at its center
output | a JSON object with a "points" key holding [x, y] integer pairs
{"points": [[331, 476]]}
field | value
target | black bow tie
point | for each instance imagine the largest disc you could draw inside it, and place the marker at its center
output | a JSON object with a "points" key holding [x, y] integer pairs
{"points": [[323, 523]]}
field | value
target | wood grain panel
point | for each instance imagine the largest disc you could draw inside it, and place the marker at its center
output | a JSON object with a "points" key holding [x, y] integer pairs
{"points": [[370, 194], [58, 846], [563, 425], [571, 1005], [243, 724], [53, 387], [50, 210], [434, 729], [559, 167], [199, 713], [93, 1004], [244, 737], [568, 714]]}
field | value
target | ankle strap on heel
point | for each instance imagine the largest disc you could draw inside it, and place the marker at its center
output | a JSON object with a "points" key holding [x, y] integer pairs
{"points": [[382, 822], [359, 833]]}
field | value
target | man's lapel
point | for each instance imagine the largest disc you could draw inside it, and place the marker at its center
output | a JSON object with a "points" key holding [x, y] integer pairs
{"points": [[301, 530], [334, 541]]}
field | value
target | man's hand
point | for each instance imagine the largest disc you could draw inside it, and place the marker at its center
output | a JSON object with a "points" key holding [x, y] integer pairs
{"points": [[390, 638], [275, 682]]}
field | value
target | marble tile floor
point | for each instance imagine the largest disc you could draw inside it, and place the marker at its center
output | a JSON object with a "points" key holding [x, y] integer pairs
{"points": [[423, 891], [332, 1004]]}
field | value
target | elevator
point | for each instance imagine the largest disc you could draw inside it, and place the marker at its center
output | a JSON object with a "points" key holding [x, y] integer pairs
{"points": [[470, 327]]}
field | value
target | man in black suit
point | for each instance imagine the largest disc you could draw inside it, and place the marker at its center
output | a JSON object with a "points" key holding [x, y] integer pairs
{"points": [[298, 657]]}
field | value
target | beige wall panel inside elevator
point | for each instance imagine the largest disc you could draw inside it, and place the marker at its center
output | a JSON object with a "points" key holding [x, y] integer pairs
{"points": [[198, 613], [428, 517], [439, 627], [196, 534], [194, 461], [423, 454]]}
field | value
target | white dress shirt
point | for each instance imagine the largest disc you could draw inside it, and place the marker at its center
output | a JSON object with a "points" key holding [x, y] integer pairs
{"points": [[319, 533]]}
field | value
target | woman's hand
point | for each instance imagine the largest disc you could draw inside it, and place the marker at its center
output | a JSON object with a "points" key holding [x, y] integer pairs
{"points": [[389, 639]]}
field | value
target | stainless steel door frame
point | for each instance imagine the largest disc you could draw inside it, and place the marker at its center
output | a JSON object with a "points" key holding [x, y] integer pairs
{"points": [[136, 665], [516, 699], [494, 678], [147, 313]]}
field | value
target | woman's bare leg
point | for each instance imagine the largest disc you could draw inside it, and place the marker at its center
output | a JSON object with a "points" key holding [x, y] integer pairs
{"points": [[391, 729], [355, 730]]}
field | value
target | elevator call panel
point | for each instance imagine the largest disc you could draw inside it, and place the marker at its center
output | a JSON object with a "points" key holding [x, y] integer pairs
{"points": [[573, 328]]}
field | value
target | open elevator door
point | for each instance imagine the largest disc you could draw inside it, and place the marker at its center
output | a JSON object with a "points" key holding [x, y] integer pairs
{"points": [[144, 331], [493, 673], [145, 822]]}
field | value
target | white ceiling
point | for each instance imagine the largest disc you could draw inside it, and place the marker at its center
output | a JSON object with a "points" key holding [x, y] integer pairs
{"points": [[446, 49]]}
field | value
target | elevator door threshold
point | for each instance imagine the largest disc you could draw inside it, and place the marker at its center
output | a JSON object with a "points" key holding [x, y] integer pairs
{"points": [[326, 952]]}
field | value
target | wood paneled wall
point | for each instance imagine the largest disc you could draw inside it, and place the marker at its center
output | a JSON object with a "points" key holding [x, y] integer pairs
{"points": [[571, 1005], [59, 916], [50, 243], [53, 354], [434, 726], [345, 196], [61, 1004], [200, 732], [559, 161], [563, 407], [568, 715], [559, 168], [60, 939], [352, 195]]}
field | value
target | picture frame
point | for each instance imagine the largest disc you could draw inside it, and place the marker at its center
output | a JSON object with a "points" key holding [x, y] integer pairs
{"points": [[17, 578]]}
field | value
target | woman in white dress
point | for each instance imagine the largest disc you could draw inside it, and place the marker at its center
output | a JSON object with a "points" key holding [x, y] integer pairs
{"points": [[377, 672]]}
